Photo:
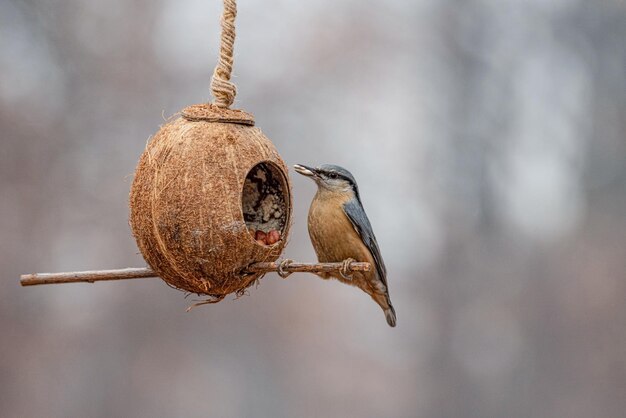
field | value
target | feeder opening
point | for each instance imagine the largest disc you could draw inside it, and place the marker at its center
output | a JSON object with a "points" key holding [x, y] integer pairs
{"points": [[265, 201]]}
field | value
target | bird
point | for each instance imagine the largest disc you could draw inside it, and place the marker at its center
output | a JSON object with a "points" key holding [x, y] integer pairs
{"points": [[340, 230]]}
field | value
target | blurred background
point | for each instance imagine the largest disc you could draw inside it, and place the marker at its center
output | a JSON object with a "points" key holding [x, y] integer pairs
{"points": [[489, 141]]}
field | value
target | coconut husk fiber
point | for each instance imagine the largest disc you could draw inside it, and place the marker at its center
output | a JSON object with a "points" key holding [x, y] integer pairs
{"points": [[186, 200]]}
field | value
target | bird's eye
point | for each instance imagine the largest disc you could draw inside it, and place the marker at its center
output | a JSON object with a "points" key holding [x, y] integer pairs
{"points": [[332, 175]]}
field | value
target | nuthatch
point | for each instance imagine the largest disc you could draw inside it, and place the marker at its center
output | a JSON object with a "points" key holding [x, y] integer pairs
{"points": [[340, 230]]}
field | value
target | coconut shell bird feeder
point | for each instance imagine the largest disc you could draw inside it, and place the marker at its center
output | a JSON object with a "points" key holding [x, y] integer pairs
{"points": [[211, 200]]}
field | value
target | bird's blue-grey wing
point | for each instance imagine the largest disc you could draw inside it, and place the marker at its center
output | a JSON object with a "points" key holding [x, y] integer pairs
{"points": [[361, 224]]}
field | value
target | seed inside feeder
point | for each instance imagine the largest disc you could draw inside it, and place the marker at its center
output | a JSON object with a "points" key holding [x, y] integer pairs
{"points": [[264, 203]]}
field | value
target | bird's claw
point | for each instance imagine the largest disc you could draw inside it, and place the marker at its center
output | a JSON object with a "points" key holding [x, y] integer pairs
{"points": [[345, 268], [282, 266]]}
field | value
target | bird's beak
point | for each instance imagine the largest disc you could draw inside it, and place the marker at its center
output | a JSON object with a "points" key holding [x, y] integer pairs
{"points": [[305, 171]]}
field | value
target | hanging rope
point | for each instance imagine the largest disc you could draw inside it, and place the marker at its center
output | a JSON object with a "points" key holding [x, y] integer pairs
{"points": [[223, 89]]}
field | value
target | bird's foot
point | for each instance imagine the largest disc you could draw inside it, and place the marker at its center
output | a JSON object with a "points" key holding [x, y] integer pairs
{"points": [[345, 269], [282, 266]]}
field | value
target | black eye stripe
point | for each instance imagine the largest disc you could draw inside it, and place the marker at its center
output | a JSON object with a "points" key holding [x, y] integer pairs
{"points": [[335, 176]]}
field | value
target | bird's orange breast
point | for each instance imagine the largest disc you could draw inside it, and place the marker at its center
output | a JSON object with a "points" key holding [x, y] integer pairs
{"points": [[332, 234]]}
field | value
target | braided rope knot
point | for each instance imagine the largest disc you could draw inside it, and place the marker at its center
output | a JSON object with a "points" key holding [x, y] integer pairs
{"points": [[224, 92]]}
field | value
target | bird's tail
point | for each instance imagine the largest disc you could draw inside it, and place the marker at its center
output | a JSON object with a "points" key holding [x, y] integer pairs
{"points": [[390, 315], [385, 303]]}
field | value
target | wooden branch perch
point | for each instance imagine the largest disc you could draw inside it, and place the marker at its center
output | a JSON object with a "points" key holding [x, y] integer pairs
{"points": [[142, 273], [86, 276]]}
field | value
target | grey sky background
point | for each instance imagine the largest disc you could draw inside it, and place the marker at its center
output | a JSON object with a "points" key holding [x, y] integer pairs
{"points": [[489, 142]]}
